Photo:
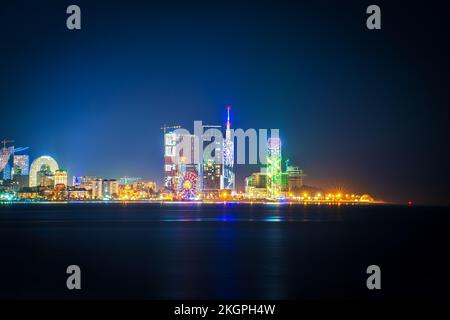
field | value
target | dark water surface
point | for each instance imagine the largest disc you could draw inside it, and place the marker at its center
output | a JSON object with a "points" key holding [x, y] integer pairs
{"points": [[215, 251]]}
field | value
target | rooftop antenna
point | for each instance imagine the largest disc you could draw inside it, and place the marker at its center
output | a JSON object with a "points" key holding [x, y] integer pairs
{"points": [[228, 117]]}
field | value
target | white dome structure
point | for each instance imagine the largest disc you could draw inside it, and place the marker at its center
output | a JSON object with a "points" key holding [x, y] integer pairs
{"points": [[37, 165]]}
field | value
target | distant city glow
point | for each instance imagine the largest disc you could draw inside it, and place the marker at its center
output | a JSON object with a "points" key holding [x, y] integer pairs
{"points": [[212, 181]]}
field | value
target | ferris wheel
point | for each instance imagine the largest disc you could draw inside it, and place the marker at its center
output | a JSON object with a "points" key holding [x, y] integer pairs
{"points": [[187, 185]]}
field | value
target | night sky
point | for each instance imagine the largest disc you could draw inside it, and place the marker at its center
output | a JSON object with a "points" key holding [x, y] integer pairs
{"points": [[363, 111]]}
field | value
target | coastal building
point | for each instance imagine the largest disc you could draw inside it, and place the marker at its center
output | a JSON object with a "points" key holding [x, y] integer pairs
{"points": [[28, 194], [96, 187], [144, 185], [228, 177], [128, 180], [139, 190], [256, 185], [45, 179], [83, 181], [212, 167], [295, 177], [46, 165], [6, 162], [274, 176], [77, 193], [60, 177], [211, 178], [110, 189]]}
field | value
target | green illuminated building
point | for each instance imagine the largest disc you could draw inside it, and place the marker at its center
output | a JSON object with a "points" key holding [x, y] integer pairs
{"points": [[274, 174]]}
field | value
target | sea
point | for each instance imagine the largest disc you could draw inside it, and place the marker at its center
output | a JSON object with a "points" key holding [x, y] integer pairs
{"points": [[222, 250]]}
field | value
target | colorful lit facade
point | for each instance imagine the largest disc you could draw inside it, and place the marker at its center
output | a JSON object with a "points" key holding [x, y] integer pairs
{"points": [[228, 177], [274, 182], [188, 187], [212, 166], [7, 163], [21, 165], [178, 160]]}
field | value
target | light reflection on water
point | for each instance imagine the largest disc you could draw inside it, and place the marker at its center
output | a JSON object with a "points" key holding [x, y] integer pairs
{"points": [[167, 212], [197, 251]]}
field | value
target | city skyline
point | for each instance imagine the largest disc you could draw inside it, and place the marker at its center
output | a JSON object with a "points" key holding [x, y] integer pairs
{"points": [[351, 117], [197, 167], [183, 180], [236, 158]]}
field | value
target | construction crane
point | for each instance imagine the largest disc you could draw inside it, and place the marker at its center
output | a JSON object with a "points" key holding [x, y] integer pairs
{"points": [[165, 128], [4, 142]]}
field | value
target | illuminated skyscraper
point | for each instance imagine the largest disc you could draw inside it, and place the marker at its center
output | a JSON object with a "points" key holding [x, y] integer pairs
{"points": [[7, 163], [212, 167], [211, 176], [228, 179], [176, 159], [274, 168], [171, 139], [21, 165]]}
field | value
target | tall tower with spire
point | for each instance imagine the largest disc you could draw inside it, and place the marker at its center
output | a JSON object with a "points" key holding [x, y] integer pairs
{"points": [[228, 179], [228, 131]]}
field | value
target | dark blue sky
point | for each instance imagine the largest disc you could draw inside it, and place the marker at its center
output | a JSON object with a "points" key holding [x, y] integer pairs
{"points": [[359, 110]]}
